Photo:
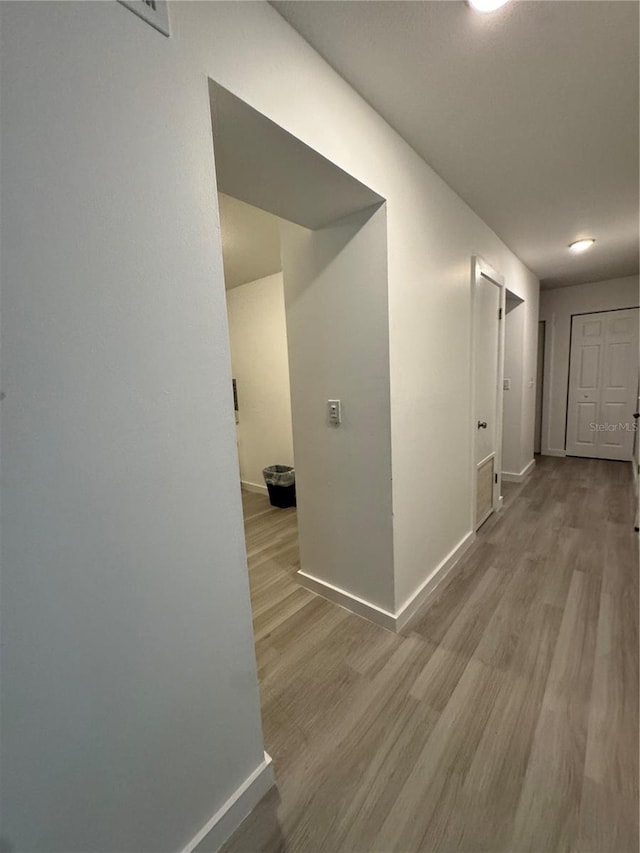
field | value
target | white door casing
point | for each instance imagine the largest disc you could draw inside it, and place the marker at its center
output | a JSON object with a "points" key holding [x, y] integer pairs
{"points": [[488, 296], [603, 381]]}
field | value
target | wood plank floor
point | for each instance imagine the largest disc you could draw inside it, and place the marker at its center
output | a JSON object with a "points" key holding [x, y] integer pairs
{"points": [[505, 718]]}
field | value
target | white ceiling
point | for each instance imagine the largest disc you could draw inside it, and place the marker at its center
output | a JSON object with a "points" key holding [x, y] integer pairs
{"points": [[250, 242], [529, 113]]}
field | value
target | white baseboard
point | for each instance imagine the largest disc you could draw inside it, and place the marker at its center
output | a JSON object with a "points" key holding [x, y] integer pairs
{"points": [[254, 487], [512, 477], [550, 452], [418, 598], [385, 618], [230, 815], [348, 600]]}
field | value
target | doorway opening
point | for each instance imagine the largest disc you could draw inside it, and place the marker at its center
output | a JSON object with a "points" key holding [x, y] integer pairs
{"points": [[258, 338], [322, 314], [262, 401]]}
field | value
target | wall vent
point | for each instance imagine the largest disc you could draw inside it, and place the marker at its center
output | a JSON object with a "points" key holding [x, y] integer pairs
{"points": [[154, 12]]}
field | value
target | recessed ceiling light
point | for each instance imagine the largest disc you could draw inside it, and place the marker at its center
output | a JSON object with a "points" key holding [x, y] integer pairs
{"points": [[582, 245], [486, 5]]}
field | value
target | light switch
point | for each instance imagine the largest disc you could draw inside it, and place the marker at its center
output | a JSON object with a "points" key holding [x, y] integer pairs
{"points": [[506, 385], [334, 412]]}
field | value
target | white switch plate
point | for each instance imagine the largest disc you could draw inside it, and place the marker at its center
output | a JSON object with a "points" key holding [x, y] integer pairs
{"points": [[334, 412]]}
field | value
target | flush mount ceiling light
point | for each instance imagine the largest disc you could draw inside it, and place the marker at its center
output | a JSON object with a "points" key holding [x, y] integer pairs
{"points": [[581, 245], [486, 5]]}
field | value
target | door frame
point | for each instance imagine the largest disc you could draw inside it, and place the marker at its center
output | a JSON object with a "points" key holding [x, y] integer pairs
{"points": [[480, 269]]}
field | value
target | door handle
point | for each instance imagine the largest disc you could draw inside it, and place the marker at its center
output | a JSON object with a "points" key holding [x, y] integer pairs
{"points": [[636, 415], [482, 424]]}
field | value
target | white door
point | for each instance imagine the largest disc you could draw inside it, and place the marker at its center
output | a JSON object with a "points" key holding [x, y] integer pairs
{"points": [[603, 378], [487, 311]]}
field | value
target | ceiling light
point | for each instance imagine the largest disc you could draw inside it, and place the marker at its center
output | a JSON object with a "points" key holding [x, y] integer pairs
{"points": [[486, 5], [582, 245]]}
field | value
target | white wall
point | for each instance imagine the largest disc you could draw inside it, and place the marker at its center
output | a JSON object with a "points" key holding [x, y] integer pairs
{"points": [[337, 325], [556, 308], [432, 236], [126, 615], [130, 708], [259, 358]]}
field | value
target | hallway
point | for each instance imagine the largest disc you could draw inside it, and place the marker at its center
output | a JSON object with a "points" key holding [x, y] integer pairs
{"points": [[503, 719]]}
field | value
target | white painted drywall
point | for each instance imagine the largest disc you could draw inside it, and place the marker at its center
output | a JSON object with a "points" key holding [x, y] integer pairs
{"points": [[261, 163], [130, 708], [126, 624], [250, 242], [432, 235], [556, 308], [337, 326], [260, 366]]}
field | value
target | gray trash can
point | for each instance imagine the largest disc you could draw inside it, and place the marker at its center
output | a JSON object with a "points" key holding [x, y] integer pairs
{"points": [[281, 485]]}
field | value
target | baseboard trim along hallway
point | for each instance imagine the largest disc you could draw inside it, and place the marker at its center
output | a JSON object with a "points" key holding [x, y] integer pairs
{"points": [[512, 477], [437, 576], [392, 621], [231, 814], [347, 600], [257, 488]]}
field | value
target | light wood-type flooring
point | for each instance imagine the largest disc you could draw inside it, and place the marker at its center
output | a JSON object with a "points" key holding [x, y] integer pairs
{"points": [[504, 718]]}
